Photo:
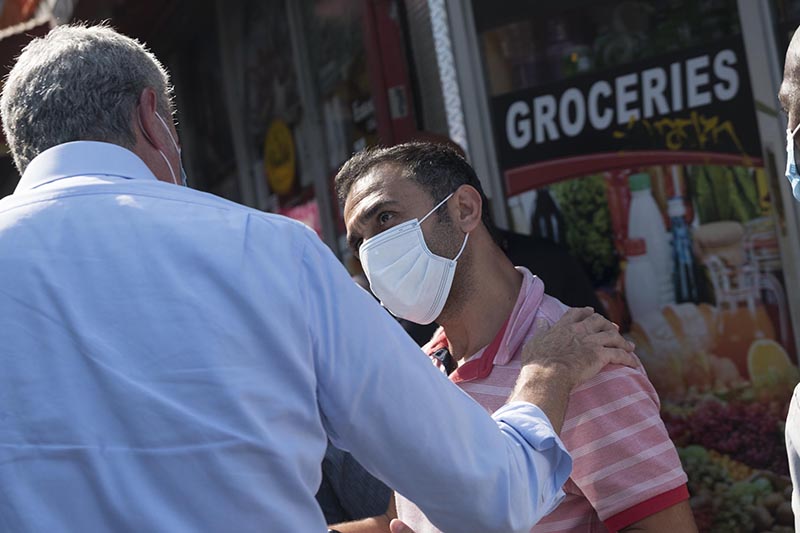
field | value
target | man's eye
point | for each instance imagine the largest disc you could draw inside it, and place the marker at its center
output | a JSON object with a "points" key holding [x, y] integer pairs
{"points": [[384, 217]]}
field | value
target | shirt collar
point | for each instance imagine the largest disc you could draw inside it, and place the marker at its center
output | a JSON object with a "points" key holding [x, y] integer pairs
{"points": [[82, 158], [508, 341], [522, 317]]}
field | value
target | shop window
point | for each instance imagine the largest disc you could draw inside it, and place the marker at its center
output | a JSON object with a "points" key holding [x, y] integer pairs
{"points": [[626, 131]]}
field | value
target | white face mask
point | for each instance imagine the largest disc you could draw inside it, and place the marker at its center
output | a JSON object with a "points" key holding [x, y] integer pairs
{"points": [[791, 167], [411, 281]]}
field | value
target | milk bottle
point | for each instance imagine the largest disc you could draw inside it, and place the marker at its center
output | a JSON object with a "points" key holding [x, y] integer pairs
{"points": [[645, 222], [641, 294]]}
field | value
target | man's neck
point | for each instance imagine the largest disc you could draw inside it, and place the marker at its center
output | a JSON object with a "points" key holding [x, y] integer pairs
{"points": [[485, 308]]}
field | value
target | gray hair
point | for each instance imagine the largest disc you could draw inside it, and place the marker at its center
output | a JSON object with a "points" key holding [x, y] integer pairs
{"points": [[78, 83]]}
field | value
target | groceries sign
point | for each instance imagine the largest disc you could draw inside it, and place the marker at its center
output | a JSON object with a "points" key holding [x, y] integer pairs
{"points": [[698, 100]]}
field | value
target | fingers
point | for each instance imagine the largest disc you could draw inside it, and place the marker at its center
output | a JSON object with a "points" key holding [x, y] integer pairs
{"points": [[396, 526], [611, 339], [597, 322], [589, 320], [575, 314], [614, 356], [602, 357]]}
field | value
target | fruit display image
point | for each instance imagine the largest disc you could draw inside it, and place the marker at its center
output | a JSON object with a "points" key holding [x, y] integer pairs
{"points": [[721, 366], [690, 260], [729, 432], [674, 213], [728, 497]]}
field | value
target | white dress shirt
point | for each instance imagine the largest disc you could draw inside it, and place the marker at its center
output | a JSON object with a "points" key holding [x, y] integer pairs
{"points": [[172, 361]]}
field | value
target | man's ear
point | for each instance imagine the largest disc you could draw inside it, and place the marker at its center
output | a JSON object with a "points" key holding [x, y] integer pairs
{"points": [[146, 119], [469, 208]]}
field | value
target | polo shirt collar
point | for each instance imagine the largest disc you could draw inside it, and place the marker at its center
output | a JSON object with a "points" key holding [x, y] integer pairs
{"points": [[82, 158], [508, 341]]}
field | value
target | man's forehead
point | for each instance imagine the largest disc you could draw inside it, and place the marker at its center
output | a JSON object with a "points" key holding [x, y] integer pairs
{"points": [[386, 182], [373, 180]]}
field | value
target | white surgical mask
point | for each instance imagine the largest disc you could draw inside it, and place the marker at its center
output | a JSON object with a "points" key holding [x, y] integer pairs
{"points": [[411, 281], [791, 167], [177, 149]]}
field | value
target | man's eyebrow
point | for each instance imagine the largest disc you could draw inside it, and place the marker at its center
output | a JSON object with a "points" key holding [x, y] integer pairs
{"points": [[373, 210], [362, 218]]}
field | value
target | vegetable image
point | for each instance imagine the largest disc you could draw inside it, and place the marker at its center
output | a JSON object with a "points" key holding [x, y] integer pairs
{"points": [[584, 205], [724, 193]]}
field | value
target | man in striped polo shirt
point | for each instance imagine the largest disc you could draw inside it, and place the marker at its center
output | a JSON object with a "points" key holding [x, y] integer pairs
{"points": [[415, 217]]}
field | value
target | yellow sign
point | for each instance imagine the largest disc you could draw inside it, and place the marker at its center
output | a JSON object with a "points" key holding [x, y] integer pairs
{"points": [[279, 157]]}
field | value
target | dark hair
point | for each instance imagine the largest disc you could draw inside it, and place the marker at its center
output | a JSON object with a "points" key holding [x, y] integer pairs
{"points": [[438, 168]]}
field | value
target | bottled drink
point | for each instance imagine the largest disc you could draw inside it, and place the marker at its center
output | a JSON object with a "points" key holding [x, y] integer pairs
{"points": [[641, 294], [645, 222], [683, 273]]}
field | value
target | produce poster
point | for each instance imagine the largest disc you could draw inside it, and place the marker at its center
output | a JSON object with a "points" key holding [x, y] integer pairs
{"points": [[711, 324]]}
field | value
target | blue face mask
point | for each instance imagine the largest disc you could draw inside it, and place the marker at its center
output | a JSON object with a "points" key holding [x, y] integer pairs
{"points": [[791, 167], [177, 149]]}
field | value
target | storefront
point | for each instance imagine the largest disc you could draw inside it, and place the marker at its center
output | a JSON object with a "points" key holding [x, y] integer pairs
{"points": [[643, 135], [304, 85], [646, 137]]}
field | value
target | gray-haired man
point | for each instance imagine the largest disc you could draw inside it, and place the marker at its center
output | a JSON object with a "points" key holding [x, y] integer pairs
{"points": [[176, 362]]}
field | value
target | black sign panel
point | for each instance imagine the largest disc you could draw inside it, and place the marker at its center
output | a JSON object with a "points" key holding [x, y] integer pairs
{"points": [[696, 100]]}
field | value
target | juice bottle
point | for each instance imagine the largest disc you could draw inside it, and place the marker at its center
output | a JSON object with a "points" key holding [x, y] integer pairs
{"points": [[646, 222]]}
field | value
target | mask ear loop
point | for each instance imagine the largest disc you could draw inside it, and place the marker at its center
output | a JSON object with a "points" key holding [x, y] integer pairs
{"points": [[164, 157], [171, 138], [432, 211], [463, 245], [171, 172], [795, 131], [440, 204], [177, 150]]}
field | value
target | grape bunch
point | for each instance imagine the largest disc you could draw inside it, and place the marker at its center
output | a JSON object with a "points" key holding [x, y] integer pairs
{"points": [[705, 475], [707, 481], [677, 427], [722, 505], [735, 507], [748, 432], [736, 470]]}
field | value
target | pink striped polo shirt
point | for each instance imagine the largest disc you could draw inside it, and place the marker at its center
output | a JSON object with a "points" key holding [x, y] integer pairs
{"points": [[625, 467]]}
